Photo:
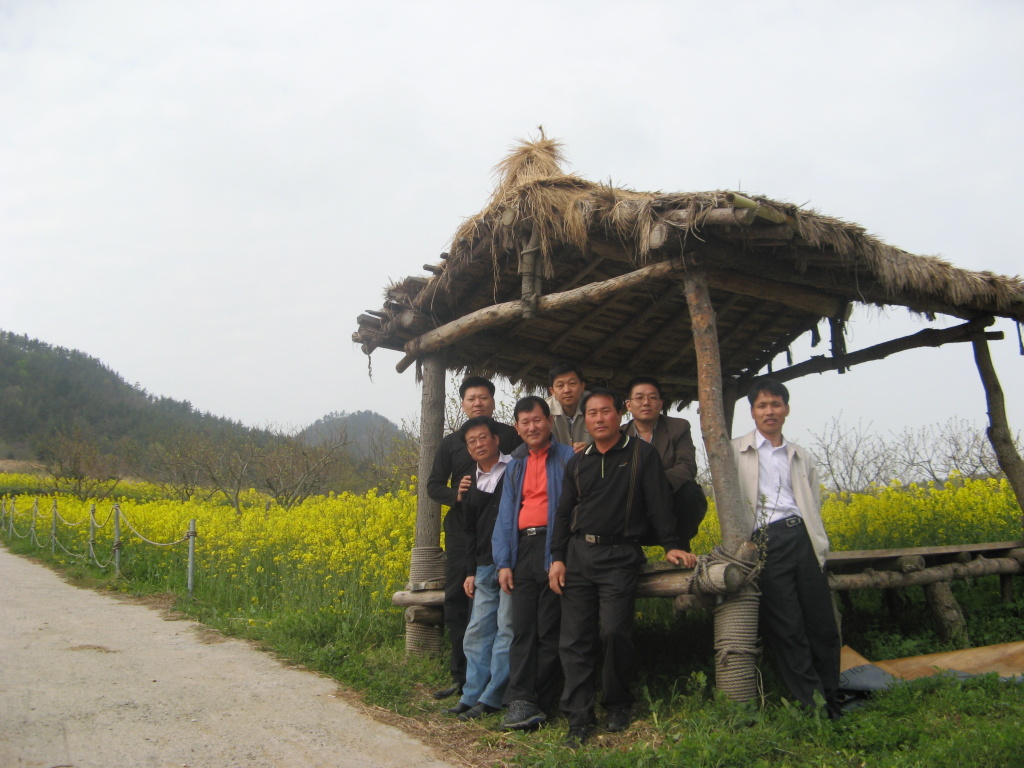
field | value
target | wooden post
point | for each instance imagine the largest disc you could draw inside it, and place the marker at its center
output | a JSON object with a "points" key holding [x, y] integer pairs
{"points": [[999, 428], [714, 429], [427, 568], [949, 618], [730, 393], [428, 512], [736, 617], [528, 267]]}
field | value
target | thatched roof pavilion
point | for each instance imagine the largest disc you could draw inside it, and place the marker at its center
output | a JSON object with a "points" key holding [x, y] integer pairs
{"points": [[558, 267], [703, 290]]}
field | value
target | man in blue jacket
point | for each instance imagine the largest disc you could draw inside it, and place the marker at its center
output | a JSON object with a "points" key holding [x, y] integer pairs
{"points": [[521, 546]]}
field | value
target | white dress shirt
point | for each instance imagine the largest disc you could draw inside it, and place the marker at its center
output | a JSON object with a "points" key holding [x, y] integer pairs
{"points": [[488, 481], [774, 483]]}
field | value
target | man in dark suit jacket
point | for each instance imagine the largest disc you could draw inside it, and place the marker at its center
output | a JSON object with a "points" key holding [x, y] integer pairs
{"points": [[674, 442], [452, 462]]}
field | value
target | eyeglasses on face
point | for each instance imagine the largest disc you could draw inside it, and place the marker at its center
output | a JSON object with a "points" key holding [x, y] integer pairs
{"points": [[644, 399]]}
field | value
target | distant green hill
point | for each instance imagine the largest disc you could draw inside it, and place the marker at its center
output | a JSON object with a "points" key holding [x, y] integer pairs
{"points": [[46, 389], [367, 432]]}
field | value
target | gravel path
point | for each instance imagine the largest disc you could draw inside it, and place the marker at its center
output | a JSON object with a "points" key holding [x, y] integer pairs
{"points": [[90, 681]]}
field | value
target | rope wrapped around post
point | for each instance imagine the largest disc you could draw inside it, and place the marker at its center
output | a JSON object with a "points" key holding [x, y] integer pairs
{"points": [[426, 571], [735, 612]]}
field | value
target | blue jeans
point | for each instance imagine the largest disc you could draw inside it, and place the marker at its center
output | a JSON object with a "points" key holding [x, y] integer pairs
{"points": [[487, 640]]}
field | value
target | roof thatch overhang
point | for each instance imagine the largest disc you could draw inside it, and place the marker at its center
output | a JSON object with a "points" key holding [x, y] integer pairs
{"points": [[556, 267]]}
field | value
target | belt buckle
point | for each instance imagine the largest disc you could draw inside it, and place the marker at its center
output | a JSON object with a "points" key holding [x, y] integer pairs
{"points": [[792, 521], [590, 538]]}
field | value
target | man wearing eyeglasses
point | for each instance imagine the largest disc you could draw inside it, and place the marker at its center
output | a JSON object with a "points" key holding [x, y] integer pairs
{"points": [[674, 442]]}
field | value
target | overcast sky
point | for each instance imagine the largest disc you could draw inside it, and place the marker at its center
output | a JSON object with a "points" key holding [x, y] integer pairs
{"points": [[204, 195]]}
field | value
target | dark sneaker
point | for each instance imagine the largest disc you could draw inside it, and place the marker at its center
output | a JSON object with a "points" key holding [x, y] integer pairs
{"points": [[444, 693], [458, 709], [521, 715], [578, 735], [477, 710], [618, 720]]}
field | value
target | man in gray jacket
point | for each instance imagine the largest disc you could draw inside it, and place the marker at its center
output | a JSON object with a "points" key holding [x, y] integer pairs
{"points": [[782, 503], [567, 389]]}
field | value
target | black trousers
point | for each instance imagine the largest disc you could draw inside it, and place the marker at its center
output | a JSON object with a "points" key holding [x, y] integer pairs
{"points": [[456, 604], [689, 506], [797, 618], [598, 605], [534, 671]]}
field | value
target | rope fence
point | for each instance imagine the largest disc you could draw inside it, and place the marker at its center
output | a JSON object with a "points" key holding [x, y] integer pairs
{"points": [[116, 517]]}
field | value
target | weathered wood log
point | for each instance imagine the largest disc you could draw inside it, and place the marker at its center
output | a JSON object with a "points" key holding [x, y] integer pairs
{"points": [[815, 302], [498, 314], [725, 578], [712, 409], [423, 614], [685, 603], [428, 512], [863, 556], [1006, 589], [930, 337], [369, 320], [427, 597], [949, 572], [902, 564], [734, 676], [528, 254], [946, 612], [760, 210], [999, 433], [716, 217]]}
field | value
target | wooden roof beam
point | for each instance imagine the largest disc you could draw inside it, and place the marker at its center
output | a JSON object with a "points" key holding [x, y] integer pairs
{"points": [[814, 302], [686, 348], [929, 337], [500, 314], [666, 297]]}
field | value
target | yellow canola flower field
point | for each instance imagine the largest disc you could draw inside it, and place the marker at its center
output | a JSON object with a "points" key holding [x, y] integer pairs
{"points": [[963, 511], [343, 553], [324, 552]]}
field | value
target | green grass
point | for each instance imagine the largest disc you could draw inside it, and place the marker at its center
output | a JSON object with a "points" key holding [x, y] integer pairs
{"points": [[680, 721]]}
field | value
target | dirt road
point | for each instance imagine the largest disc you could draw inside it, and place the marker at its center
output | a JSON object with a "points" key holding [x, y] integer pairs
{"points": [[90, 681]]}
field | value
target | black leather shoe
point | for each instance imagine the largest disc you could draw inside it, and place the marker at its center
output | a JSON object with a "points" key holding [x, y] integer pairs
{"points": [[458, 709], [618, 720], [444, 693], [478, 710], [578, 735]]}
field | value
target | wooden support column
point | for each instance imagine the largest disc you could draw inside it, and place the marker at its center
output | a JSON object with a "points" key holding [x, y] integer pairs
{"points": [[730, 394], [527, 267], [428, 512], [999, 428], [736, 616], [423, 631], [945, 610], [714, 429]]}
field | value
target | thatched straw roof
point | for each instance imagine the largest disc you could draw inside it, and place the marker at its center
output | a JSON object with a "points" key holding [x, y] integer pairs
{"points": [[775, 270]]}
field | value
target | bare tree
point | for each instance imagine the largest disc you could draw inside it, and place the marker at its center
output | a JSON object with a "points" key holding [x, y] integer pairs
{"points": [[939, 451], [393, 459], [292, 468], [171, 464], [76, 464], [853, 458]]}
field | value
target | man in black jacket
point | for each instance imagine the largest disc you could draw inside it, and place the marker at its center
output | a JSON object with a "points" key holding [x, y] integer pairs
{"points": [[489, 633], [452, 462], [613, 492]]}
